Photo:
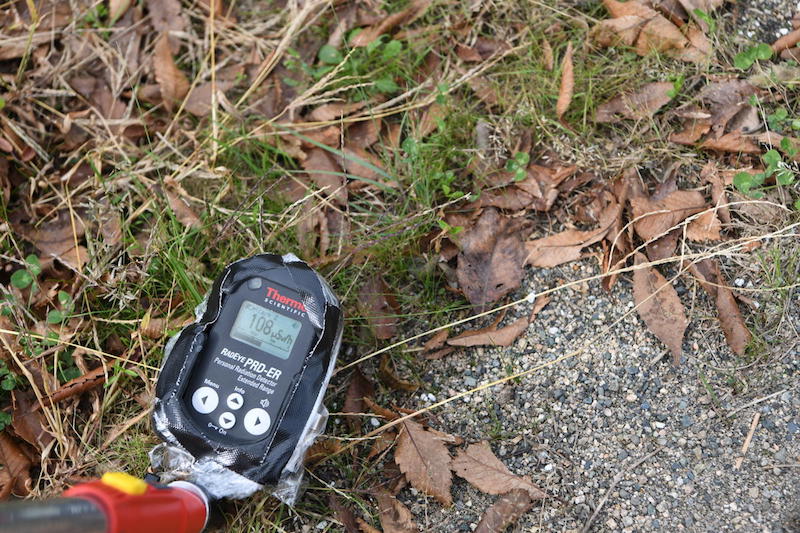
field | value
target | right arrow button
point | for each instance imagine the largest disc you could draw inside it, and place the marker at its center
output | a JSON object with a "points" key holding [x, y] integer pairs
{"points": [[256, 421]]}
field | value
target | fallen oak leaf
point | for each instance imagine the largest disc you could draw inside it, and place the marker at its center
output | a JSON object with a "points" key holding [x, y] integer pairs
{"points": [[504, 336], [637, 105], [567, 87], [395, 517], [658, 304], [479, 465], [425, 461], [504, 512]]}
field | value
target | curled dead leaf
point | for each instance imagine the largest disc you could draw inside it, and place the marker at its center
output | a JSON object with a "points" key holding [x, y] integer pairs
{"points": [[380, 307], [504, 336], [389, 376], [395, 517], [17, 465]]}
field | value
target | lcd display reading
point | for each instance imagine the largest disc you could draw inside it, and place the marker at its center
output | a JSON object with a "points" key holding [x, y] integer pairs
{"points": [[266, 330]]}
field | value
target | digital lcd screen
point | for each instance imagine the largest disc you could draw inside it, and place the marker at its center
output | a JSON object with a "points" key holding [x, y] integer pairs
{"points": [[265, 329]]}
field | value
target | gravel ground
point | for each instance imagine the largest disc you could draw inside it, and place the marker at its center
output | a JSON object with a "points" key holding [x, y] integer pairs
{"points": [[765, 20], [576, 425]]}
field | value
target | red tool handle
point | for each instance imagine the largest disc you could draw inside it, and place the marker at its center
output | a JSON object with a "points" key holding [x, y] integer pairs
{"points": [[133, 506], [117, 503]]}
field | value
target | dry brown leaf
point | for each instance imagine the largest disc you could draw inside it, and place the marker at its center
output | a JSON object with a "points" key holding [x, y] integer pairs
{"points": [[733, 326], [618, 31], [438, 354], [547, 55], [387, 414], [381, 443], [504, 336], [166, 17], [117, 8], [733, 142], [353, 157], [492, 257], [364, 133], [437, 341], [320, 450], [706, 227], [656, 218], [326, 174], [719, 195], [425, 461], [365, 527], [58, 237], [504, 512], [380, 308], [659, 35], [395, 517], [637, 105], [566, 246], [360, 387], [692, 131], [170, 78], [787, 41], [343, 514], [416, 9], [567, 87], [479, 465], [658, 304], [389, 376], [198, 102], [335, 111], [76, 387], [28, 422], [17, 464], [484, 90], [631, 7], [183, 212]]}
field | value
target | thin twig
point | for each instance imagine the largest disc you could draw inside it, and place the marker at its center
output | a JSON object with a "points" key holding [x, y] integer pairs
{"points": [[614, 483], [746, 445]]}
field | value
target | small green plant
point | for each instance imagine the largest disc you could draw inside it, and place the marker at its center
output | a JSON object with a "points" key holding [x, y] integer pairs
{"points": [[677, 85], [518, 165], [705, 17], [25, 277], [451, 230], [8, 382], [446, 180], [57, 316], [750, 184], [362, 61], [745, 59], [117, 371]]}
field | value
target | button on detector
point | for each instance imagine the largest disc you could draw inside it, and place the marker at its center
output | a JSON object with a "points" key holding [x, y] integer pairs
{"points": [[227, 420], [235, 401], [256, 421], [205, 400]]}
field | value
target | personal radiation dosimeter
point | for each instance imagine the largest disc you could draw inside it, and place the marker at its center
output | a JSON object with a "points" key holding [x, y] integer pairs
{"points": [[243, 385]]}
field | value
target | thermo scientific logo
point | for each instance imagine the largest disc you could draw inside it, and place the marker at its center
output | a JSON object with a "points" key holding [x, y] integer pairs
{"points": [[275, 296]]}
